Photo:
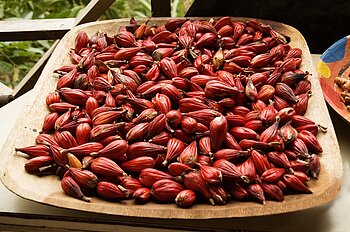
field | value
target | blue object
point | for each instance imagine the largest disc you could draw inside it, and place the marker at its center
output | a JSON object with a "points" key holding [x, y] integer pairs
{"points": [[335, 52]]}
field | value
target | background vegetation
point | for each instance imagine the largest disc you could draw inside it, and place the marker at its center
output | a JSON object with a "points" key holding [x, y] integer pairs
{"points": [[17, 58]]}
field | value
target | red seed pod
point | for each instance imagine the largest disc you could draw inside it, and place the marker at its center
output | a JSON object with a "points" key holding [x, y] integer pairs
{"points": [[192, 104], [61, 107], [268, 115], [301, 176], [252, 115], [206, 40], [218, 130], [60, 159], [299, 148], [189, 155], [310, 141], [166, 190], [230, 154], [266, 93], [256, 192], [279, 103], [71, 188], [174, 148], [299, 165], [142, 195], [67, 80], [83, 133], [285, 115], [138, 132], [162, 103], [237, 191], [107, 190], [138, 164], [130, 183], [193, 180], [113, 150], [260, 162], [218, 89], [301, 106], [53, 97], [315, 166], [244, 133], [172, 92], [255, 125], [285, 92], [65, 139], [84, 149], [278, 158], [102, 131], [248, 169], [106, 167], [204, 116], [294, 183], [84, 178], [204, 146], [249, 143], [185, 198], [189, 125], [161, 139], [288, 133], [204, 160], [269, 134], [144, 149], [90, 105], [49, 121], [34, 165], [107, 117], [35, 150], [168, 66], [218, 193], [273, 175], [272, 191], [230, 142], [174, 118], [176, 168], [230, 172], [303, 86], [149, 176]]}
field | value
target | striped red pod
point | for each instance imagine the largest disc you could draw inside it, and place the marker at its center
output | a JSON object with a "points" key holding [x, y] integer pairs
{"points": [[286, 115], [129, 82], [142, 195], [299, 120], [260, 162], [237, 191], [35, 150], [126, 53], [149, 176], [49, 121], [155, 126], [204, 146], [291, 78], [53, 97], [189, 72], [65, 139], [113, 150], [75, 58], [218, 194], [244, 133], [238, 29], [166, 190], [285, 92], [230, 142], [185, 41], [72, 125], [102, 131], [270, 133], [293, 53], [107, 117], [201, 79], [288, 133], [34, 165], [244, 39], [67, 80], [185, 198], [133, 75], [168, 67], [227, 102], [232, 67], [299, 148], [201, 128], [101, 83], [272, 191], [230, 172], [252, 115], [71, 188], [146, 115], [255, 125], [110, 191], [231, 154], [176, 168], [138, 164], [294, 183], [256, 192], [301, 176], [84, 149], [279, 159], [193, 180], [261, 60], [250, 143], [204, 160], [162, 103], [60, 159], [273, 175], [162, 52], [204, 116], [234, 120], [61, 107], [172, 92], [192, 104], [125, 39], [81, 41], [161, 139], [189, 155], [301, 106], [268, 115], [138, 132], [310, 141], [205, 40], [266, 93], [280, 103], [218, 129], [303, 86], [258, 105], [106, 167], [109, 139], [130, 183], [299, 165], [82, 133], [248, 169], [223, 21], [189, 125], [138, 149], [218, 89], [315, 166], [110, 101], [84, 178], [226, 30], [174, 148]]}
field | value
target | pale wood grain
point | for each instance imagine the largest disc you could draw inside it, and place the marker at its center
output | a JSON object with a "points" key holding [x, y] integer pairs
{"points": [[47, 189]]}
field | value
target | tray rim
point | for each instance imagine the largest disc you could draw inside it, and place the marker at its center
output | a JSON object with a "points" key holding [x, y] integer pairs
{"points": [[328, 195]]}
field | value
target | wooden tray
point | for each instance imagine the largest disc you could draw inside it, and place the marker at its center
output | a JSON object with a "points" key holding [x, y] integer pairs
{"points": [[47, 189]]}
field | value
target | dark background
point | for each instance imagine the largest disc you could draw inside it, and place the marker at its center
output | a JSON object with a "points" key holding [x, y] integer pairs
{"points": [[321, 22]]}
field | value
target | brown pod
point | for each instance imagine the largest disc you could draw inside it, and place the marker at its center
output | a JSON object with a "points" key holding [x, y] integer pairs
{"points": [[193, 180], [266, 93], [174, 148], [106, 167], [149, 176], [288, 133], [189, 125], [142, 195], [145, 149], [185, 198], [71, 188], [189, 155], [84, 178], [73, 161], [138, 164], [218, 129], [107, 190], [113, 150], [250, 90], [166, 190]]}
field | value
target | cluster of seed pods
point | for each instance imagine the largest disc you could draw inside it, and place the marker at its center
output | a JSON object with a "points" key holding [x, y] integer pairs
{"points": [[187, 112]]}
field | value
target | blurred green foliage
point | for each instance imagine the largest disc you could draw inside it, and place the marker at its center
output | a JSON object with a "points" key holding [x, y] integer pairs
{"points": [[17, 58]]}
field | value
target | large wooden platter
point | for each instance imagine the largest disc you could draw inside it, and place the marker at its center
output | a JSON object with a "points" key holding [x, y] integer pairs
{"points": [[47, 189]]}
